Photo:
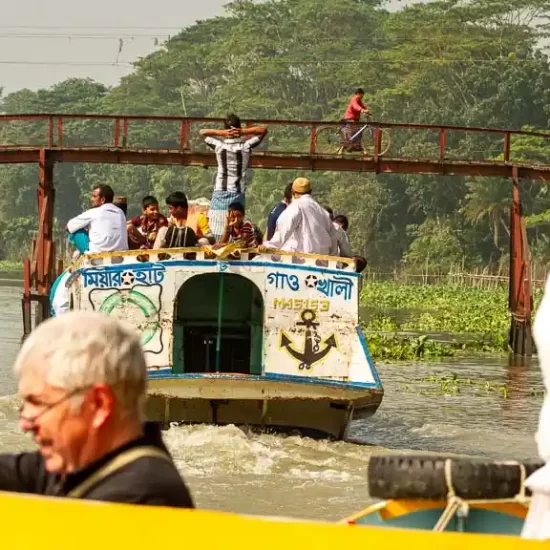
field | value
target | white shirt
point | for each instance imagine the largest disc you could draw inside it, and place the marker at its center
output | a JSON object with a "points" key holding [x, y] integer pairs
{"points": [[233, 156], [305, 227], [537, 523], [344, 248], [106, 228]]}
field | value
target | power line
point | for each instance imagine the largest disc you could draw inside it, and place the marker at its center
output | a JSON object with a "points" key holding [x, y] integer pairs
{"points": [[71, 63], [283, 61], [88, 27], [32, 36], [397, 61], [365, 40]]}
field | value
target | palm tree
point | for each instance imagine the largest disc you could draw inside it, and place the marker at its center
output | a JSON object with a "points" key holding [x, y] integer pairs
{"points": [[489, 199]]}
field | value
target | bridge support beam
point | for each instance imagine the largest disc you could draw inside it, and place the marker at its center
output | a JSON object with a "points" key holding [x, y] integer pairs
{"points": [[40, 273], [520, 300]]}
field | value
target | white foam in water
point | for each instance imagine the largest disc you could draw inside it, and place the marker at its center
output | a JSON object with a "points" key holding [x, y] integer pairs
{"points": [[227, 450]]}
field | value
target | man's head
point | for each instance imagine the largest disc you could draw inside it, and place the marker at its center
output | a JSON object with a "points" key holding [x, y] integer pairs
{"points": [[232, 121], [122, 203], [300, 187], [177, 205], [288, 193], [360, 263], [83, 380], [102, 194], [150, 207], [360, 92], [235, 212], [342, 221]]}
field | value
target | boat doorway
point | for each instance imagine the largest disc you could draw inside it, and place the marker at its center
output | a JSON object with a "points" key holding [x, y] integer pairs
{"points": [[218, 325]]}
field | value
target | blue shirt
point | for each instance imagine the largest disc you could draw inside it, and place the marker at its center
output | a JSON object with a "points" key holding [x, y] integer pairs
{"points": [[273, 217]]}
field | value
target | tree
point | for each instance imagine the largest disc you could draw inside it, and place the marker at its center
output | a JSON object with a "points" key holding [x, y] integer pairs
{"points": [[302, 59]]}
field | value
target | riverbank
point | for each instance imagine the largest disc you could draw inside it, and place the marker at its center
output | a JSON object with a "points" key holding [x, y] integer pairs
{"points": [[9, 266], [409, 321]]}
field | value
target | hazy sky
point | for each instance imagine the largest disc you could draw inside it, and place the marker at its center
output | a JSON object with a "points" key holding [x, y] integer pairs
{"points": [[46, 41], [40, 43]]}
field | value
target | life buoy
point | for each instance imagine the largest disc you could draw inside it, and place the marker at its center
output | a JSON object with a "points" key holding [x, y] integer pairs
{"points": [[145, 305]]}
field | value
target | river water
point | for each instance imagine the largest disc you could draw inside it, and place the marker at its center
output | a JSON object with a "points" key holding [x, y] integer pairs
{"points": [[493, 415]]}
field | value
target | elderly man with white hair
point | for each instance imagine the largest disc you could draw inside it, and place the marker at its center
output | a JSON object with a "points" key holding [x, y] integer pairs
{"points": [[82, 378]]}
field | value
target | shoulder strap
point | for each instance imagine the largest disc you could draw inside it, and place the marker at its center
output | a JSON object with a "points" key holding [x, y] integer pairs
{"points": [[172, 236], [121, 460]]}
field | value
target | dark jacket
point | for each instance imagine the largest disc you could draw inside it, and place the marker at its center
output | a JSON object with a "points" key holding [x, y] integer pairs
{"points": [[148, 480]]}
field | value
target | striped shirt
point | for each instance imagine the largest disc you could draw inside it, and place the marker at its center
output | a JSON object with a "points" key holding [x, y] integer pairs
{"points": [[245, 234], [233, 159]]}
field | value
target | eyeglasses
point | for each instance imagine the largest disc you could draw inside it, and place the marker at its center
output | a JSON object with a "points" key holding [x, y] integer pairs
{"points": [[48, 407]]}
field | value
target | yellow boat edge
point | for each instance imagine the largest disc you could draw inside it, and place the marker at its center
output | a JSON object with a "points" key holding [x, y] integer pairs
{"points": [[52, 523]]}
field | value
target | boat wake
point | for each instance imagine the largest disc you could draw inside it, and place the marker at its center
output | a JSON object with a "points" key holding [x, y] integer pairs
{"points": [[228, 450], [234, 470]]}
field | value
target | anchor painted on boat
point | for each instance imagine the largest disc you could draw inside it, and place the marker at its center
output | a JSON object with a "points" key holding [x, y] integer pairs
{"points": [[312, 352]]}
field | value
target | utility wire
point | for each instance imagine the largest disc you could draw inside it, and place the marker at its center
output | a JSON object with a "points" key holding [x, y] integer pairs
{"points": [[287, 62], [32, 36], [71, 63]]}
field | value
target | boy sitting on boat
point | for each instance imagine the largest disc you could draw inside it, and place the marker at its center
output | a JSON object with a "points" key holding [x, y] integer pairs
{"points": [[143, 229]]}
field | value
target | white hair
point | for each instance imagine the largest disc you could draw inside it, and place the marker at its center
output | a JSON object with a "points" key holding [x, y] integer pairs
{"points": [[79, 349]]}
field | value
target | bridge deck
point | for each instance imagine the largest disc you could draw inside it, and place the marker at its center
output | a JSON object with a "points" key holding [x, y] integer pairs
{"points": [[267, 160], [415, 148]]}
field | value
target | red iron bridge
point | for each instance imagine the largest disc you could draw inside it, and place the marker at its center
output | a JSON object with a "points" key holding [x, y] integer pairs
{"points": [[298, 145], [48, 139]]}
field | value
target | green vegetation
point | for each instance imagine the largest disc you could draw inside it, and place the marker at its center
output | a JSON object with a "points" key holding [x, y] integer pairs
{"points": [[7, 266], [475, 318], [400, 348], [453, 385], [301, 59]]}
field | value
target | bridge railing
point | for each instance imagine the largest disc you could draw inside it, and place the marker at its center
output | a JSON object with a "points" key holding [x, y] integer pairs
{"points": [[312, 138]]}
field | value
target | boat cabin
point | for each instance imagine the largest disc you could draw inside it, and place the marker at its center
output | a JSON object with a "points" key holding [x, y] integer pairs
{"points": [[286, 317]]}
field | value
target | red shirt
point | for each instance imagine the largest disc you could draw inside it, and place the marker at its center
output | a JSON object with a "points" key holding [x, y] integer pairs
{"points": [[353, 112]]}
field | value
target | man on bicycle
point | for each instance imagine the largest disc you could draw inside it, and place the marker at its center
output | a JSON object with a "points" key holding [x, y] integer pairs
{"points": [[351, 134]]}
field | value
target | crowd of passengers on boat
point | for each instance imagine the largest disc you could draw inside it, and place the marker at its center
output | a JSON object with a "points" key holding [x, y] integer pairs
{"points": [[295, 224]]}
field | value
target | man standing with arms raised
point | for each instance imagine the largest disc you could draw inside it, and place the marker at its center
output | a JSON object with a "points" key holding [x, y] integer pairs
{"points": [[233, 156]]}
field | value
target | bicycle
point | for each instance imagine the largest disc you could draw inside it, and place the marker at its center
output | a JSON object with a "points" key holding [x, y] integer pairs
{"points": [[335, 140]]}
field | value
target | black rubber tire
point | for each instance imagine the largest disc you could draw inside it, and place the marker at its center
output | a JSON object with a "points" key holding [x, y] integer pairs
{"points": [[423, 477]]}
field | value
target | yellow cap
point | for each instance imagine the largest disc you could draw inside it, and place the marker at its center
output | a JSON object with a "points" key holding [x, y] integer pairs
{"points": [[301, 186]]}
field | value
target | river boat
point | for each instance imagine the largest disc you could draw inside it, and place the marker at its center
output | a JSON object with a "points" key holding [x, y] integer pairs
{"points": [[488, 517], [441, 493], [272, 342]]}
